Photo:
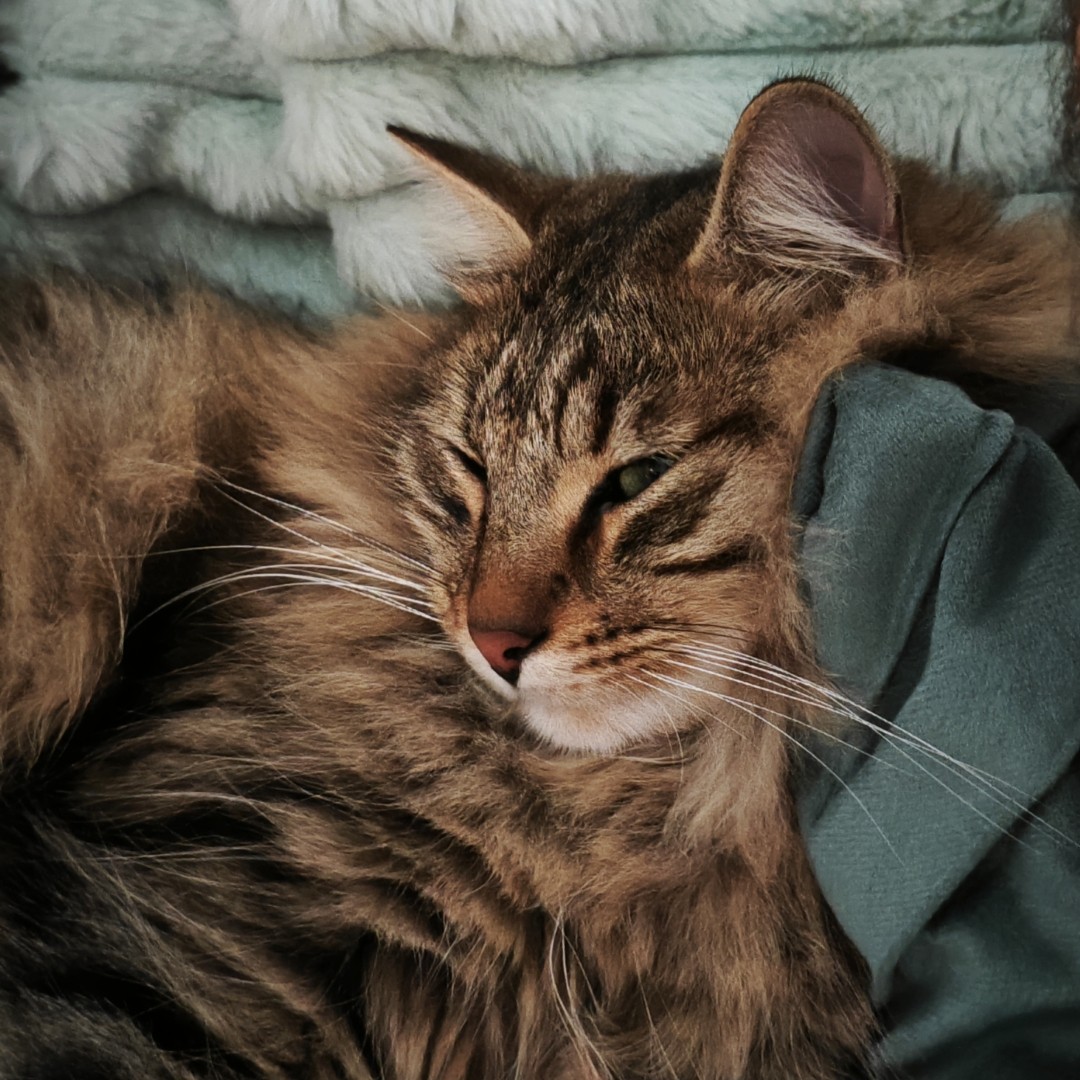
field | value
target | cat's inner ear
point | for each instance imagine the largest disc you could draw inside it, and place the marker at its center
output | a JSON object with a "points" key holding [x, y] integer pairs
{"points": [[805, 187], [488, 213]]}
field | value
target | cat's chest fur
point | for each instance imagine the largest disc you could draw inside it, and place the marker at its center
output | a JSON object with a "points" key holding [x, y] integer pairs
{"points": [[487, 907]]}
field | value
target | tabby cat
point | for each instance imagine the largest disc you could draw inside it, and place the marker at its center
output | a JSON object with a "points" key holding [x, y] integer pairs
{"points": [[410, 702]]}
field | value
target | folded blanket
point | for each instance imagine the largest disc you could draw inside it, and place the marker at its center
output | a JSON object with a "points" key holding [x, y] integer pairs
{"points": [[218, 44], [941, 561], [291, 270], [236, 107], [562, 31]]}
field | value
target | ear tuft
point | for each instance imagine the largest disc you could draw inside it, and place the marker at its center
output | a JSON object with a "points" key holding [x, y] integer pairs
{"points": [[805, 188], [487, 213]]}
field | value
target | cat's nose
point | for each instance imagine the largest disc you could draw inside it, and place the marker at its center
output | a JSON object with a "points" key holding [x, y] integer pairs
{"points": [[503, 649]]}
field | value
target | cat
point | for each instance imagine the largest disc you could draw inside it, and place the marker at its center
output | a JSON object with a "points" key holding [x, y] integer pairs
{"points": [[389, 702]]}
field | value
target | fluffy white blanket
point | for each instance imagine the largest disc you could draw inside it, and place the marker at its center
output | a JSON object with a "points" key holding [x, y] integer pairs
{"points": [[250, 115]]}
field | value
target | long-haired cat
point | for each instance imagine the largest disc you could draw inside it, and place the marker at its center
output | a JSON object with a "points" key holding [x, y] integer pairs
{"points": [[413, 702]]}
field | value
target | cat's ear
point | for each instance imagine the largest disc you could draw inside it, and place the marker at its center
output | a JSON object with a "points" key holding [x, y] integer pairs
{"points": [[490, 209], [805, 188]]}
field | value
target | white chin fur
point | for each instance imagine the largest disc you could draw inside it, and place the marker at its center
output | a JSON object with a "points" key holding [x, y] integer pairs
{"points": [[577, 716], [596, 723]]}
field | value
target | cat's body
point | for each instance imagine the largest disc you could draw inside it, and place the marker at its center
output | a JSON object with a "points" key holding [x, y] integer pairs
{"points": [[275, 805]]}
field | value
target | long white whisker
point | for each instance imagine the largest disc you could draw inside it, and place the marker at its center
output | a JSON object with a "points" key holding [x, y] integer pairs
{"points": [[680, 760], [746, 707], [288, 528], [994, 797], [777, 676], [727, 677], [311, 582], [378, 545], [572, 1022], [765, 683], [872, 720], [352, 566], [842, 706], [985, 783], [702, 713], [272, 570], [394, 314], [341, 558]]}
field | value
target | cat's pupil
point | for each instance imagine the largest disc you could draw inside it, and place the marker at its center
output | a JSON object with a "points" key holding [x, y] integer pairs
{"points": [[634, 478]]}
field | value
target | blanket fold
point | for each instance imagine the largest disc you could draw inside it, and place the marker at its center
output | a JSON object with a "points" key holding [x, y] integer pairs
{"points": [[572, 31], [941, 562]]}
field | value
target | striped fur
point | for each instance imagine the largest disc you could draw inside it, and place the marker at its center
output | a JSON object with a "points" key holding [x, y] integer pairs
{"points": [[264, 812]]}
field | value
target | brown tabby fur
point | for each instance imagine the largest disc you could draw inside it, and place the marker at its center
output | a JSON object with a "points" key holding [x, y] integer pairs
{"points": [[297, 815]]}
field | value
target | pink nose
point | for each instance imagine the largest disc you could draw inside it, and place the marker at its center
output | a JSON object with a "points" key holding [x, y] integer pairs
{"points": [[503, 650]]}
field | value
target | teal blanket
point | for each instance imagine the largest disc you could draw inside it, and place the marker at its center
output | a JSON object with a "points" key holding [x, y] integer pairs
{"points": [[941, 554]]}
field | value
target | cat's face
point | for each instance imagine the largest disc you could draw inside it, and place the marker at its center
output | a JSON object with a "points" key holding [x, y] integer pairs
{"points": [[599, 471], [604, 496]]}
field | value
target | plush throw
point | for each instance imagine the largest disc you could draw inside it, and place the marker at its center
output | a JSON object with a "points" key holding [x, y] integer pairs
{"points": [[245, 140]]}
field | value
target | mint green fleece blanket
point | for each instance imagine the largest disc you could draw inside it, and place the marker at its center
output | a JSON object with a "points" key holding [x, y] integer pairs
{"points": [[138, 124], [941, 556]]}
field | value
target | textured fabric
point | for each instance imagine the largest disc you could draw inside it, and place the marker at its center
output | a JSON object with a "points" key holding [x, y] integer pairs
{"points": [[235, 107], [941, 555]]}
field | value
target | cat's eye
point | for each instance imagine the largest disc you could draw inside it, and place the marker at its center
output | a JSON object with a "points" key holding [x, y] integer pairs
{"points": [[622, 485], [471, 464], [634, 478]]}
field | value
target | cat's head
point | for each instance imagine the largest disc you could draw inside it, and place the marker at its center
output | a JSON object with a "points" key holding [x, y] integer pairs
{"points": [[601, 461]]}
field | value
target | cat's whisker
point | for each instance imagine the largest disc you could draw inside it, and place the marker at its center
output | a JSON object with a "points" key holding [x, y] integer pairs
{"points": [[592, 1058], [842, 706], [429, 643], [353, 566], [313, 515], [313, 582], [777, 676], [850, 706], [320, 545], [831, 701], [720, 673], [886, 727], [771, 684], [225, 854], [751, 710], [344, 565], [680, 759], [343, 559], [704, 717], [279, 570], [803, 698], [395, 314], [983, 783], [654, 1033], [992, 796], [286, 573], [776, 688], [718, 630]]}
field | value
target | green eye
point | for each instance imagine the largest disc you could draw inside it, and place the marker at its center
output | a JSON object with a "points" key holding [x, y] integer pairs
{"points": [[622, 485], [635, 478]]}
